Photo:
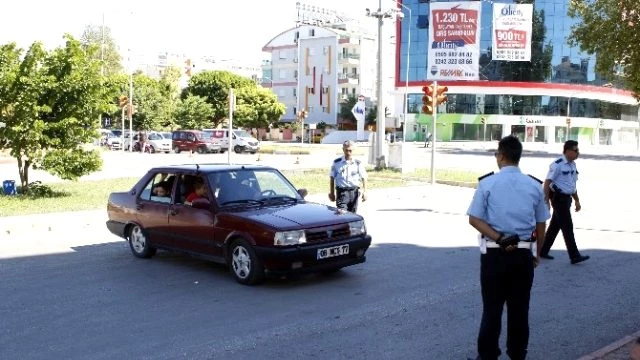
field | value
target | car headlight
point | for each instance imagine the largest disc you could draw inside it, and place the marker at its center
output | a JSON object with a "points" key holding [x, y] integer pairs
{"points": [[294, 237], [357, 228]]}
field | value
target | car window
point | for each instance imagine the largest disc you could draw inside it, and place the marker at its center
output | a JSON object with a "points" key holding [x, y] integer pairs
{"points": [[159, 188], [272, 183], [191, 137], [154, 136], [249, 186], [241, 133], [191, 187]]}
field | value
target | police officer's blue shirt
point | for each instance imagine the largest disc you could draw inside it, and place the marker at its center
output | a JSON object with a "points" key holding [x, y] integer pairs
{"points": [[510, 202], [564, 175], [347, 173]]}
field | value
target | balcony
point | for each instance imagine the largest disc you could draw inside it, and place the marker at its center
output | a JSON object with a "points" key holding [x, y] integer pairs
{"points": [[351, 59], [352, 79], [348, 40]]}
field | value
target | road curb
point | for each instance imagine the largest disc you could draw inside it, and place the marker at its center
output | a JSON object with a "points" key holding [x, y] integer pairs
{"points": [[601, 353]]}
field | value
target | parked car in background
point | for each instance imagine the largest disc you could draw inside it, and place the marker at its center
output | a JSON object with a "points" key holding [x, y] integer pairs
{"points": [[242, 140], [194, 141], [249, 217], [156, 142]]}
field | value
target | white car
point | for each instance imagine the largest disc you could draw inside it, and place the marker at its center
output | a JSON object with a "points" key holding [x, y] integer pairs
{"points": [[242, 140], [157, 142]]}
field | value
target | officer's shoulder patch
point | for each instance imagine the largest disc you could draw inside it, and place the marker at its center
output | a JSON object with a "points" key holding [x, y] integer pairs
{"points": [[485, 175], [337, 160], [535, 178], [558, 161]]}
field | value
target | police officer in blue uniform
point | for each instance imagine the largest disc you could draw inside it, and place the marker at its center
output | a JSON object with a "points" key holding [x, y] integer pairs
{"points": [[506, 209], [348, 178], [560, 189]]}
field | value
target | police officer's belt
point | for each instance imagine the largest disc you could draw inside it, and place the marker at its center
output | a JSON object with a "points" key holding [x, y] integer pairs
{"points": [[348, 188], [521, 245]]}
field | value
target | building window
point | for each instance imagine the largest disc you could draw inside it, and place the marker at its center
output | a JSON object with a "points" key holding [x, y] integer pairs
{"points": [[345, 91], [283, 74], [312, 32], [325, 90], [297, 36], [295, 92], [295, 74], [324, 109], [283, 54], [309, 90], [295, 111], [353, 91]]}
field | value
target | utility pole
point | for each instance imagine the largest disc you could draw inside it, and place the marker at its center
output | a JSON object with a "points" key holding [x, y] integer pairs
{"points": [[380, 123]]}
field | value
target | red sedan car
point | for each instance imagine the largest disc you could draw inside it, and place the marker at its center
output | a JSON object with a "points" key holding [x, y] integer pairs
{"points": [[250, 218]]}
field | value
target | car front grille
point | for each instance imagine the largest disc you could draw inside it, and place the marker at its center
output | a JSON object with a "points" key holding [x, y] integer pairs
{"points": [[327, 234], [253, 143]]}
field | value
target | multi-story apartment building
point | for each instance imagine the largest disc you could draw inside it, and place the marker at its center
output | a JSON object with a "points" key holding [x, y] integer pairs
{"points": [[315, 68], [190, 65]]}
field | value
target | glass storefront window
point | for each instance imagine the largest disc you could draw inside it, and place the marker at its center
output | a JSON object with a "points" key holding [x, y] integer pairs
{"points": [[528, 105]]}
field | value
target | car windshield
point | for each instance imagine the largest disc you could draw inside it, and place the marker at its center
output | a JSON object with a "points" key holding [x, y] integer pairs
{"points": [[251, 187], [241, 133], [166, 135]]}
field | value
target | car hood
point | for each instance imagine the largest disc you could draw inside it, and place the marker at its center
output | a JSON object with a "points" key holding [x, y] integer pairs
{"points": [[300, 215]]}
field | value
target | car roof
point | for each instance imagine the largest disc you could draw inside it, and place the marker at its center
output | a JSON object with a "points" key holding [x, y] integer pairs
{"points": [[210, 167]]}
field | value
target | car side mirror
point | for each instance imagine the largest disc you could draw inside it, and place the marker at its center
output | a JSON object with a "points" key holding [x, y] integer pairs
{"points": [[202, 204], [303, 192]]}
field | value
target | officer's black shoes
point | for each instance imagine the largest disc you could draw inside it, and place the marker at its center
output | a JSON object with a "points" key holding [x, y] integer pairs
{"points": [[580, 259], [546, 256]]}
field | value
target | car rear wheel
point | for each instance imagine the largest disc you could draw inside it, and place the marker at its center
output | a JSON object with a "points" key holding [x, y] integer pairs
{"points": [[176, 150], [202, 150], [244, 263], [139, 244]]}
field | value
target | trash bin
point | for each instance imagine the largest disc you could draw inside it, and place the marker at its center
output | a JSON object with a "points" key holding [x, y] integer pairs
{"points": [[9, 187]]}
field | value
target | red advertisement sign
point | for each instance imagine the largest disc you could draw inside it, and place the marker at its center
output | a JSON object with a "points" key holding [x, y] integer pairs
{"points": [[511, 39], [455, 25]]}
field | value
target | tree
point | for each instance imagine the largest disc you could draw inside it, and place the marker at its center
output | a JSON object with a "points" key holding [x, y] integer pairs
{"points": [[194, 112], [93, 36], [257, 107], [49, 103], [372, 116], [152, 110], [170, 91], [214, 87], [345, 109], [609, 29]]}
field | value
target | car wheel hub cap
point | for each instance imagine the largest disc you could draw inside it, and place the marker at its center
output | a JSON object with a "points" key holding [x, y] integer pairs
{"points": [[241, 262], [137, 240]]}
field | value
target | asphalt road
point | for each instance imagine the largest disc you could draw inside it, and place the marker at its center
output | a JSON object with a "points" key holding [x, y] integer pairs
{"points": [[82, 295]]}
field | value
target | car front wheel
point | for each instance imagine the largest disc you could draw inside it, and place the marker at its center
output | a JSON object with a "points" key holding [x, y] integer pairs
{"points": [[244, 263], [176, 150], [238, 149], [139, 243]]}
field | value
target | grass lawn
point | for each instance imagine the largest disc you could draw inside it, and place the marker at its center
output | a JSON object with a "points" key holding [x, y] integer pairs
{"points": [[91, 195]]}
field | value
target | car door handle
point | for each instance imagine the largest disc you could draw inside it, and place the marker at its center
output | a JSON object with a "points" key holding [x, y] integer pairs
{"points": [[173, 212]]}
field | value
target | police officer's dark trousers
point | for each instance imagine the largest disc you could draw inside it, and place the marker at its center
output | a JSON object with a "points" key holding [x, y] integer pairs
{"points": [[561, 220], [505, 277], [347, 198]]}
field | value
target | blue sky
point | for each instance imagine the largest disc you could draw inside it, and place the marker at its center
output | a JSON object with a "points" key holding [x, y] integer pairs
{"points": [[224, 29]]}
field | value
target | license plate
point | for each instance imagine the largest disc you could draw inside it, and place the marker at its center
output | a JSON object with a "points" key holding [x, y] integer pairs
{"points": [[333, 251]]}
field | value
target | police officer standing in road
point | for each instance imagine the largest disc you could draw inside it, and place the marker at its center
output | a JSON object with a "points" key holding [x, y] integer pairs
{"points": [[560, 188], [506, 209], [348, 178]]}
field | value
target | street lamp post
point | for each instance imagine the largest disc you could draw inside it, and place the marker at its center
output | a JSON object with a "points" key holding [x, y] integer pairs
{"points": [[380, 121], [406, 79]]}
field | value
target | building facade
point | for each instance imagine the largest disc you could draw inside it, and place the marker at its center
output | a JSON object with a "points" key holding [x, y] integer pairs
{"points": [[556, 96], [315, 68]]}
